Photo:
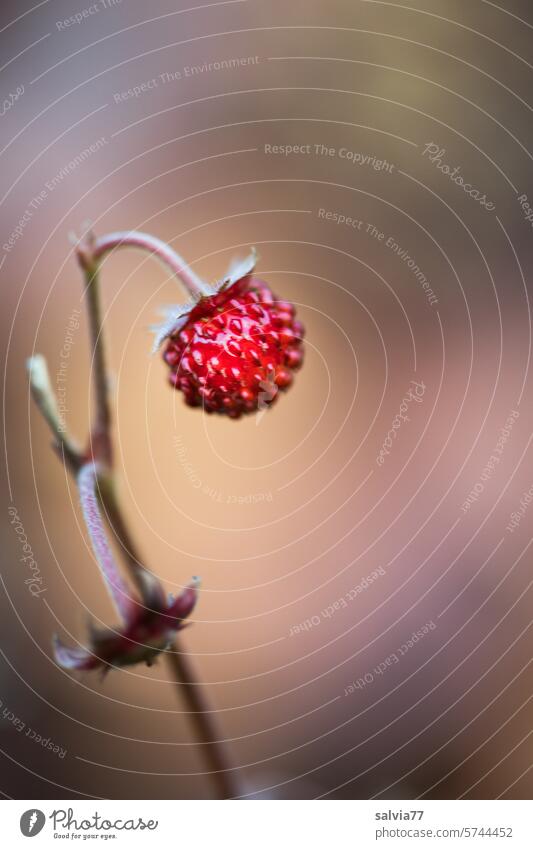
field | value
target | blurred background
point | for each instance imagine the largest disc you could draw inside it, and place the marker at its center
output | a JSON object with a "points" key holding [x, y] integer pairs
{"points": [[377, 155]]}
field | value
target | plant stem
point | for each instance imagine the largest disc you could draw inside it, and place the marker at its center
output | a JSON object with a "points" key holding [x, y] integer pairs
{"points": [[184, 675], [106, 488], [101, 432], [167, 255], [182, 670], [87, 488], [204, 723]]}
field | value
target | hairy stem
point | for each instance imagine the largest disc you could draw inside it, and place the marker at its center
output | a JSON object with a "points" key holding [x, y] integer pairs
{"points": [[101, 432], [108, 496], [90, 255], [87, 488], [180, 664], [167, 255]]}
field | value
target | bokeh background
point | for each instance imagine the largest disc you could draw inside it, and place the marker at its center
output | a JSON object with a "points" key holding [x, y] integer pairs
{"points": [[285, 515]]}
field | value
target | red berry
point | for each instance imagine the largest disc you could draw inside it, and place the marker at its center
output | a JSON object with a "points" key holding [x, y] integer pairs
{"points": [[236, 349]]}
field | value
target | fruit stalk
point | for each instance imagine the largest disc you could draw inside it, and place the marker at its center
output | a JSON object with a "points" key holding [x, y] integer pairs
{"points": [[90, 255], [90, 252], [93, 250], [183, 673]]}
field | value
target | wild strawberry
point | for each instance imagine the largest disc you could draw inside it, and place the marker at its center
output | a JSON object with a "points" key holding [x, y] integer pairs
{"points": [[235, 347]]}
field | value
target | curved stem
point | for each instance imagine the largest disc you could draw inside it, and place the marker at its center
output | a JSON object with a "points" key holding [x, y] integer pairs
{"points": [[100, 435], [90, 254], [204, 723], [87, 488], [186, 680], [167, 255], [140, 576]]}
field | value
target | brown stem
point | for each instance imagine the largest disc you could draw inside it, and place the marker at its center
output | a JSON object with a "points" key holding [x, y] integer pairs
{"points": [[117, 523], [101, 434], [183, 673], [204, 723], [163, 252], [101, 448]]}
